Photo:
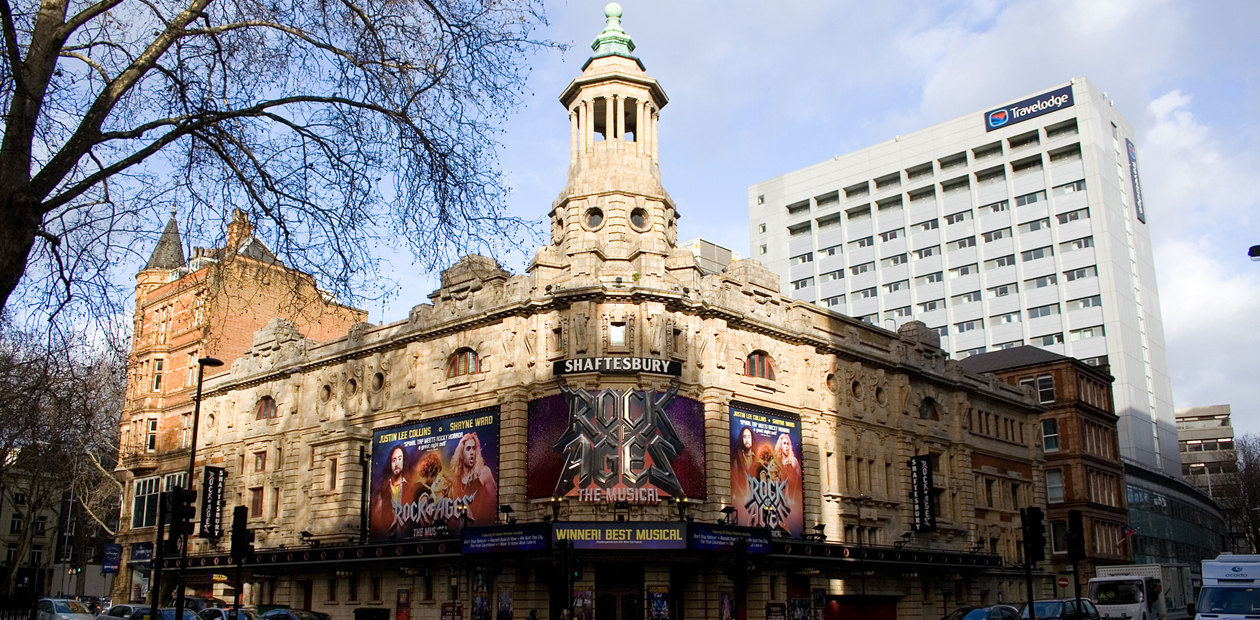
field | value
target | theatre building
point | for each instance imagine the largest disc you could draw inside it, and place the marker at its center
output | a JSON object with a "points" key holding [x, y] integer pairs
{"points": [[690, 445]]}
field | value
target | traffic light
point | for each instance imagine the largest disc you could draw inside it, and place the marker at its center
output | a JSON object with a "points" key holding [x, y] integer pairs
{"points": [[575, 565], [182, 511], [242, 537], [739, 566], [1076, 536], [1034, 534]]}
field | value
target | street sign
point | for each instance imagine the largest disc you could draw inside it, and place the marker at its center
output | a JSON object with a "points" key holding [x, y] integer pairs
{"points": [[1063, 582]]}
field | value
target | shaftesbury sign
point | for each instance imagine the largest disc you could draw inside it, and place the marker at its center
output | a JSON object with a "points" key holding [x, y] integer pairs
{"points": [[921, 494], [212, 502], [617, 366]]}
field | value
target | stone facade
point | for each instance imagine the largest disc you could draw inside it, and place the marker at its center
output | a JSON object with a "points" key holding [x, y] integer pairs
{"points": [[613, 284]]}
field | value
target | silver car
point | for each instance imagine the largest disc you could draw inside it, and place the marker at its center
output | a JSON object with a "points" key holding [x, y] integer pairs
{"points": [[62, 609]]}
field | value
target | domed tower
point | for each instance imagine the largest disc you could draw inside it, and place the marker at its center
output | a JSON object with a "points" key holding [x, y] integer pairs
{"points": [[613, 219]]}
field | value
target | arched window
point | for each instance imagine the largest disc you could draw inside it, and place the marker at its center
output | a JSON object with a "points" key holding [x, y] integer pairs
{"points": [[463, 362], [928, 410], [758, 365], [266, 408]]}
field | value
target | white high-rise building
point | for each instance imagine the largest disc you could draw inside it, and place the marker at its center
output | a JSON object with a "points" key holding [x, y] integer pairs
{"points": [[1020, 225]]}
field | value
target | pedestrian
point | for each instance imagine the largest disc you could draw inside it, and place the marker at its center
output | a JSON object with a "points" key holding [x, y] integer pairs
{"points": [[533, 614]]}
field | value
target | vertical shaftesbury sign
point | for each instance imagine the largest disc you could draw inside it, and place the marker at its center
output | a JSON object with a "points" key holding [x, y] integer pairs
{"points": [[921, 494], [1031, 107], [212, 502], [1137, 185]]}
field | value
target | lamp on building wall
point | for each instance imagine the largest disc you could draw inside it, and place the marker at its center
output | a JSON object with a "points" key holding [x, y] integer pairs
{"points": [[905, 538], [728, 516], [681, 504], [508, 514]]}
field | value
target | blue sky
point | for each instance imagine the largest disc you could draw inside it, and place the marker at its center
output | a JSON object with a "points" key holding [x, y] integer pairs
{"points": [[758, 89]]}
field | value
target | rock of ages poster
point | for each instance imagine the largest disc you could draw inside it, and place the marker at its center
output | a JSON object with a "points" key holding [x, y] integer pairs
{"points": [[766, 469], [610, 445], [432, 477]]}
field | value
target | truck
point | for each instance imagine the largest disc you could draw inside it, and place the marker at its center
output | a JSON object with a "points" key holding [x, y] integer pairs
{"points": [[1231, 588], [1142, 592]]}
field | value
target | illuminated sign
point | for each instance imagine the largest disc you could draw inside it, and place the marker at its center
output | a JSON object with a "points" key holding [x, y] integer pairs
{"points": [[924, 517], [212, 502], [1031, 107], [620, 535], [501, 538], [617, 366], [612, 446], [766, 482]]}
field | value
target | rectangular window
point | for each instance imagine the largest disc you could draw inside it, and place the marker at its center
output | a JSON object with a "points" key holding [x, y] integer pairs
{"points": [[901, 312], [144, 505], [833, 301], [1003, 290], [970, 352], [150, 440], [1088, 332], [930, 278], [15, 523], [928, 251], [1001, 261], [801, 229], [1085, 302], [1037, 253], [256, 502], [1069, 188], [190, 373], [1072, 216], [864, 242], [1042, 282], [761, 228], [996, 207], [1035, 225], [964, 243], [831, 251], [802, 283], [831, 276], [893, 261], [941, 331], [966, 298], [1080, 274], [900, 285], [927, 225], [1028, 199], [1050, 435], [763, 249], [869, 318], [807, 257], [1003, 319], [1077, 244], [1008, 345], [1048, 339], [332, 589], [967, 326], [1054, 485], [865, 293], [260, 461], [955, 218], [892, 234], [1045, 389], [1001, 233], [965, 270], [617, 334], [1058, 537], [863, 268], [157, 374], [173, 481], [1040, 311], [929, 306], [332, 474]]}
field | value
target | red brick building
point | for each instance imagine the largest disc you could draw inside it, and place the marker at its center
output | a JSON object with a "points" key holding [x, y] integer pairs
{"points": [[210, 305], [1078, 436]]}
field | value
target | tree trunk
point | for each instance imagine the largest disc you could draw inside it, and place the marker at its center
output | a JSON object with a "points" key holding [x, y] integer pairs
{"points": [[17, 237]]}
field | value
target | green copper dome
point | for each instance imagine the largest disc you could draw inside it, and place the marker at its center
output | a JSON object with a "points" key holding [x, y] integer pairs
{"points": [[613, 41]]}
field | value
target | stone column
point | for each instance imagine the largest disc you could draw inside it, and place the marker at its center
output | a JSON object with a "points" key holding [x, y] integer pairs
{"points": [[619, 117], [638, 127], [645, 130], [609, 123], [588, 127], [656, 117], [573, 136]]}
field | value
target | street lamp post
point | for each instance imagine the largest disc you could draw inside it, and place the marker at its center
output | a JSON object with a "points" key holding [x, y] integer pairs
{"points": [[188, 480], [860, 500]]}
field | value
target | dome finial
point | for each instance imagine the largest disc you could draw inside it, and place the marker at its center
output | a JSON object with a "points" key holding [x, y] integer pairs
{"points": [[613, 10], [613, 41]]}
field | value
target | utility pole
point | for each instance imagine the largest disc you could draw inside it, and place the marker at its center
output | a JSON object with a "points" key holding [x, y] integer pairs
{"points": [[159, 552]]}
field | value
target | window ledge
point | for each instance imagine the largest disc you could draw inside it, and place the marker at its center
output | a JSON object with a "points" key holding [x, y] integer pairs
{"points": [[464, 380]]}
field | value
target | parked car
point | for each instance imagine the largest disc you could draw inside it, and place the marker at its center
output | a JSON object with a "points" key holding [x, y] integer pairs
{"points": [[217, 613], [62, 609], [994, 612], [198, 603], [166, 613], [93, 603], [1063, 609], [119, 611], [294, 614]]}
